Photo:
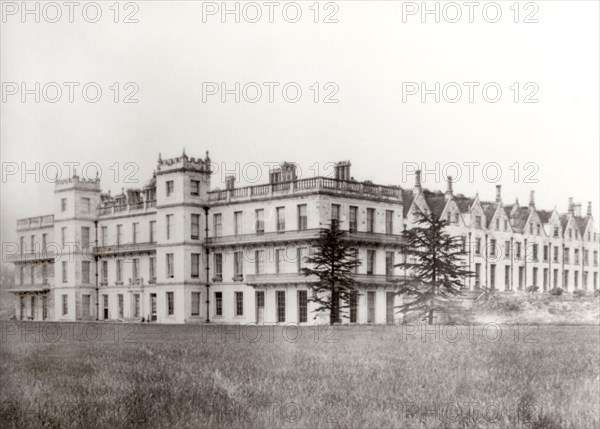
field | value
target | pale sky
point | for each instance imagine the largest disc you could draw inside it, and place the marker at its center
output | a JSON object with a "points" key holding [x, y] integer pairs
{"points": [[368, 54]]}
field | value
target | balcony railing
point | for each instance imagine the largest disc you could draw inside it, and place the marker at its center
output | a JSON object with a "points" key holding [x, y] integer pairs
{"points": [[284, 278], [31, 256], [311, 184], [124, 249], [126, 208], [35, 222]]}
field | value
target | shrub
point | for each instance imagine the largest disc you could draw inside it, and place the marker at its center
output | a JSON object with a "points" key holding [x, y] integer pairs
{"points": [[532, 289], [597, 293], [579, 292], [556, 291]]}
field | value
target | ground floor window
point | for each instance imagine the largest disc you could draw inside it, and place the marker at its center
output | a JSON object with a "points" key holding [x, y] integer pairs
{"points": [[302, 306], [493, 276], [555, 278], [370, 307], [477, 275], [120, 305], [85, 305], [218, 303], [195, 303], [170, 303], [507, 277], [280, 306], [65, 305], [545, 284], [32, 309], [136, 305], [44, 307], [105, 306], [21, 307], [353, 307], [521, 277], [239, 303]]}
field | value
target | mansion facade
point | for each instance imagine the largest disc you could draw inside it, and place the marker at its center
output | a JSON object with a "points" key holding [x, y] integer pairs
{"points": [[177, 251]]}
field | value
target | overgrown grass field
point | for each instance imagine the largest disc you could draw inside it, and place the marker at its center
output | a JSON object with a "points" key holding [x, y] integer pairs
{"points": [[147, 376]]}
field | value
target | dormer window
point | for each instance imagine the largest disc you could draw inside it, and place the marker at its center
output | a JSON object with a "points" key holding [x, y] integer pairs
{"points": [[539, 232], [478, 221], [498, 224], [555, 232]]}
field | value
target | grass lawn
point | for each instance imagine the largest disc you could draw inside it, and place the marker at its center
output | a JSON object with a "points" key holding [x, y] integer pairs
{"points": [[124, 375]]}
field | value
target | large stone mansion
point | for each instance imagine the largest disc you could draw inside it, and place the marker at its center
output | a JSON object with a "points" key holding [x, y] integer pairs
{"points": [[178, 251]]}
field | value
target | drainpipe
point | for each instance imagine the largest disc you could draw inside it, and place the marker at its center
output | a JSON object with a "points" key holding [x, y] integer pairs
{"points": [[206, 252], [512, 262], [96, 262], [487, 279], [470, 260], [525, 265], [562, 267]]}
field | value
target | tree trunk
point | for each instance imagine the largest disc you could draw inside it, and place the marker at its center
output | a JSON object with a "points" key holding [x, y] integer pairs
{"points": [[334, 316], [430, 317]]}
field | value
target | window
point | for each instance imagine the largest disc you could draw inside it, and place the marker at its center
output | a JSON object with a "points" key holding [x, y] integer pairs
{"points": [[259, 261], [279, 261], [478, 246], [194, 187], [546, 252], [237, 223], [64, 271], [280, 306], [355, 256], [104, 236], [585, 280], [119, 234], [169, 223], [477, 221], [539, 230], [280, 218], [586, 257], [576, 279], [492, 247], [545, 280], [44, 241], [195, 265], [576, 256], [135, 232], [120, 305], [302, 306], [477, 275], [152, 269], [85, 205], [217, 225], [63, 235], [170, 303], [170, 187], [44, 274], [389, 222], [370, 261], [135, 269], [456, 217], [555, 234], [370, 220], [566, 255], [531, 228], [518, 250], [353, 218], [22, 274], [301, 253], [555, 278], [493, 276], [218, 267], [218, 304], [195, 303], [535, 252], [370, 307], [136, 305], [85, 271], [505, 225], [65, 305], [63, 205], [566, 279], [497, 224], [170, 268], [335, 213], [152, 231], [595, 258], [239, 303], [521, 277], [119, 263], [302, 217], [507, 277], [32, 275], [555, 256], [238, 265], [507, 249], [535, 276], [260, 221], [195, 226], [353, 307], [104, 273], [389, 263]]}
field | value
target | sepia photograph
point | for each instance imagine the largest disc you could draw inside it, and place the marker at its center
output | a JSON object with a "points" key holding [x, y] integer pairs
{"points": [[300, 214]]}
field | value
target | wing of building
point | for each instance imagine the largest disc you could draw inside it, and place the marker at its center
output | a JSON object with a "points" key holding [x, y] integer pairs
{"points": [[177, 251]]}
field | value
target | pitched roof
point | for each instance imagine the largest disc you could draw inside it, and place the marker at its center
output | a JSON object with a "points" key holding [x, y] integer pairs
{"points": [[581, 223], [464, 204], [489, 209], [544, 215], [407, 200], [520, 217], [436, 203]]}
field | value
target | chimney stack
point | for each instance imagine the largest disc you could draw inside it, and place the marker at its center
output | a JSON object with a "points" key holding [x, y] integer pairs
{"points": [[589, 208], [417, 187], [449, 191], [571, 205], [577, 209], [498, 194], [532, 199], [229, 182]]}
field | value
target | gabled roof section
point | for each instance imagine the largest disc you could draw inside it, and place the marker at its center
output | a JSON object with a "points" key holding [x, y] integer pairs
{"points": [[489, 209], [464, 204], [407, 200], [544, 215], [436, 202]]}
